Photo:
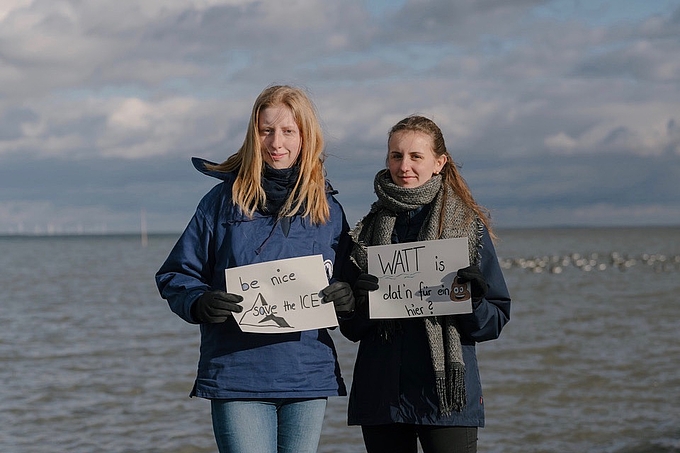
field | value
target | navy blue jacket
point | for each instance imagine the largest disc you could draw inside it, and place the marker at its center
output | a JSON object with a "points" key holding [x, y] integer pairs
{"points": [[234, 364], [394, 381]]}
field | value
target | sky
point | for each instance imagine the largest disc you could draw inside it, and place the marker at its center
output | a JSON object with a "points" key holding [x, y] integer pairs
{"points": [[558, 113]]}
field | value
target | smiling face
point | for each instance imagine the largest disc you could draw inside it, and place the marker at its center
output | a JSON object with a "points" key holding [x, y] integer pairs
{"points": [[279, 136], [411, 159]]}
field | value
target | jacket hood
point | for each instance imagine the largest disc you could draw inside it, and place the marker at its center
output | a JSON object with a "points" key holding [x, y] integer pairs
{"points": [[200, 165]]}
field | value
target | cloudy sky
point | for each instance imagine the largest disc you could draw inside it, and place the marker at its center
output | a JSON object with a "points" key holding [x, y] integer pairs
{"points": [[560, 112]]}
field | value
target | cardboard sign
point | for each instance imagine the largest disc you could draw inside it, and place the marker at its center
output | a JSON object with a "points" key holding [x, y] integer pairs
{"points": [[417, 279], [282, 296]]}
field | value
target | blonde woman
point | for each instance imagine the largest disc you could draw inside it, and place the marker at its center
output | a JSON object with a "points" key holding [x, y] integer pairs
{"points": [[267, 391]]}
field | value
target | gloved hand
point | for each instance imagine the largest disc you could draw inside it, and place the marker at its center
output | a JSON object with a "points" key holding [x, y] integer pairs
{"points": [[478, 285], [364, 284], [347, 298], [216, 306], [340, 293]]}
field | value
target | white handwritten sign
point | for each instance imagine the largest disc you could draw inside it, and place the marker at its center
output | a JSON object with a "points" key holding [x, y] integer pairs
{"points": [[418, 279], [282, 296]]}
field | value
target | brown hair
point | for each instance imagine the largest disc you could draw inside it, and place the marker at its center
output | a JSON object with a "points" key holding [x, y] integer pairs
{"points": [[450, 174], [309, 192]]}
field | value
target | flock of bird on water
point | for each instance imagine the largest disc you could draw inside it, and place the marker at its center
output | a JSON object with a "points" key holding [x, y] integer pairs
{"points": [[556, 264]]}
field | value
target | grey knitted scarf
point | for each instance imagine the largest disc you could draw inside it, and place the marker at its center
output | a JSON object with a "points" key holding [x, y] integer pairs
{"points": [[459, 221]]}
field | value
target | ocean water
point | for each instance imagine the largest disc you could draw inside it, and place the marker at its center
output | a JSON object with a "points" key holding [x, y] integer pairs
{"points": [[92, 360]]}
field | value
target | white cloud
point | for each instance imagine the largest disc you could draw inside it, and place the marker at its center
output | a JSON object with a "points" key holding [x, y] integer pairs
{"points": [[561, 142], [136, 129]]}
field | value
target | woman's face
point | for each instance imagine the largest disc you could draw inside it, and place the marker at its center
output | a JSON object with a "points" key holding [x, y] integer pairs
{"points": [[279, 136], [411, 159]]}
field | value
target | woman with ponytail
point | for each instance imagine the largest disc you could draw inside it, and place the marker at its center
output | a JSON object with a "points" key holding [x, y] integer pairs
{"points": [[416, 379]]}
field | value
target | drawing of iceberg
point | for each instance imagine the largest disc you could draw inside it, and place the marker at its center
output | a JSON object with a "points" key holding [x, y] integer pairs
{"points": [[256, 316]]}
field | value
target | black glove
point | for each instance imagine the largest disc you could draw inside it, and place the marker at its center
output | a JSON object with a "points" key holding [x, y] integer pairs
{"points": [[478, 285], [216, 306], [364, 284], [347, 298], [340, 293]]}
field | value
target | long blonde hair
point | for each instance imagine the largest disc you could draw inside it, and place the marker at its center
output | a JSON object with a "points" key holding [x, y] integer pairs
{"points": [[450, 175], [309, 193]]}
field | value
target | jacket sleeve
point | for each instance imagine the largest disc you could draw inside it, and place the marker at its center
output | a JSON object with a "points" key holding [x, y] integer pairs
{"points": [[342, 243], [359, 325], [186, 273], [487, 320]]}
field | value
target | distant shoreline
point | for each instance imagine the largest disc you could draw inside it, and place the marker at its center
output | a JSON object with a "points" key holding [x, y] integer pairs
{"points": [[177, 233]]}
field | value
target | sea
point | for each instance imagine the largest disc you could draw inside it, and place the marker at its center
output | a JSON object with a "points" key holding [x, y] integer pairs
{"points": [[93, 360]]}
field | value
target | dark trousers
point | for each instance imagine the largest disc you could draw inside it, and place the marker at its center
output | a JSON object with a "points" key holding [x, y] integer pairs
{"points": [[402, 438]]}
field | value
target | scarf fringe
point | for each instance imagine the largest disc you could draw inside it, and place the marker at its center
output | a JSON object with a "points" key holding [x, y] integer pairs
{"points": [[451, 390]]}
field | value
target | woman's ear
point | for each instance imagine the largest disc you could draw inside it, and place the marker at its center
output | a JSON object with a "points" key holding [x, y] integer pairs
{"points": [[439, 164]]}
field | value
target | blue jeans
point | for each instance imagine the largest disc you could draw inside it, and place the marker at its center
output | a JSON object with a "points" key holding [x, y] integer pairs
{"points": [[268, 426]]}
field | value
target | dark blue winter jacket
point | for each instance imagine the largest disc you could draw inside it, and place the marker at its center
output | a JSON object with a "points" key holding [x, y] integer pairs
{"points": [[393, 381], [234, 364]]}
